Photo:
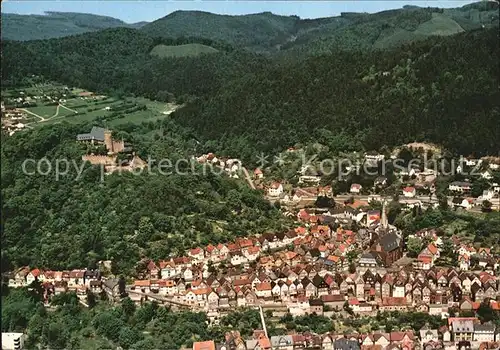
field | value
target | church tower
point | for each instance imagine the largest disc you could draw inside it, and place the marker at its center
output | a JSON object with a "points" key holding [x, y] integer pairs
{"points": [[384, 222]]}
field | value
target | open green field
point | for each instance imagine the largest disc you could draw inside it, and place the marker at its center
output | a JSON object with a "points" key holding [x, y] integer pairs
{"points": [[77, 109], [43, 111], [439, 25]]}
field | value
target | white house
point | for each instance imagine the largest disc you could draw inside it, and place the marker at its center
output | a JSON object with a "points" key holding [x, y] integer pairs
{"points": [[484, 332], [471, 161], [427, 335], [258, 174], [464, 262], [487, 175], [275, 190], [238, 259], [488, 194], [11, 341], [356, 188], [459, 186]]}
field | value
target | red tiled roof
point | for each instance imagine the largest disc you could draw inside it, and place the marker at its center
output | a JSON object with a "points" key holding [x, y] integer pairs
{"points": [[333, 258], [152, 265], [275, 185], [253, 250], [233, 247], [142, 283], [394, 301], [301, 230], [195, 251], [243, 243], [353, 301], [424, 259], [264, 343], [332, 298], [432, 248], [241, 282], [204, 345], [452, 319], [263, 286], [357, 204]]}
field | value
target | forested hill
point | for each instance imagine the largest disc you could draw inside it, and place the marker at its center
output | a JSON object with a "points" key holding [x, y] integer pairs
{"points": [[270, 33], [259, 31], [440, 90], [266, 32], [56, 25], [443, 90], [120, 60]]}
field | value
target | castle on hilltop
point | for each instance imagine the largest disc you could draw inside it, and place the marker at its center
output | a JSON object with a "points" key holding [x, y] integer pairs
{"points": [[101, 136]]}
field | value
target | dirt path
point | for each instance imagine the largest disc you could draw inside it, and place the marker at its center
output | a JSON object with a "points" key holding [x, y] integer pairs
{"points": [[248, 178], [43, 119], [36, 115], [69, 109]]}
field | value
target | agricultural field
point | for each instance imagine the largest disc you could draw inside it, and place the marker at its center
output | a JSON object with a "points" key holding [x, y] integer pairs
{"points": [[46, 104]]}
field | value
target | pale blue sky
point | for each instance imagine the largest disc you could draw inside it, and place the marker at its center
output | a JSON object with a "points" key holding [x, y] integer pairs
{"points": [[135, 11]]}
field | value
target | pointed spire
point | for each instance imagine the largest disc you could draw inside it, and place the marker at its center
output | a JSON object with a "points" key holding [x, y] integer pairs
{"points": [[384, 220]]}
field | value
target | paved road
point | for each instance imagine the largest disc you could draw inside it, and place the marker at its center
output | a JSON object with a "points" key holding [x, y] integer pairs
{"points": [[158, 297], [416, 199]]}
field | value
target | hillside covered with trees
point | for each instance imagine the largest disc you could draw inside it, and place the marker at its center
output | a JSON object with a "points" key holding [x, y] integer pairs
{"points": [[268, 32], [74, 222], [442, 90]]}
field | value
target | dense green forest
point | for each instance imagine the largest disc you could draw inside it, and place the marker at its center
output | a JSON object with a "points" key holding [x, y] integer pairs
{"points": [[74, 222], [442, 90], [102, 326], [119, 59]]}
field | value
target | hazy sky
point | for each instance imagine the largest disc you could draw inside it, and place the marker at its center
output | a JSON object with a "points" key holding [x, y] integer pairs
{"points": [[135, 11]]}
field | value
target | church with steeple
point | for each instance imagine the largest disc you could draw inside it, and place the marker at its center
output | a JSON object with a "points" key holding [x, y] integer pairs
{"points": [[387, 240]]}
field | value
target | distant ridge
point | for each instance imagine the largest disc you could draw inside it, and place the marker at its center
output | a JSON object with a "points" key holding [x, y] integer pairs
{"points": [[56, 24], [266, 32]]}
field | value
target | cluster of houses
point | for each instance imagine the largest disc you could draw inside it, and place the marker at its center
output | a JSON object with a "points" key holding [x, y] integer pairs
{"points": [[460, 333], [312, 267], [229, 165], [56, 282], [462, 198], [314, 287], [416, 180], [466, 253], [12, 119]]}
